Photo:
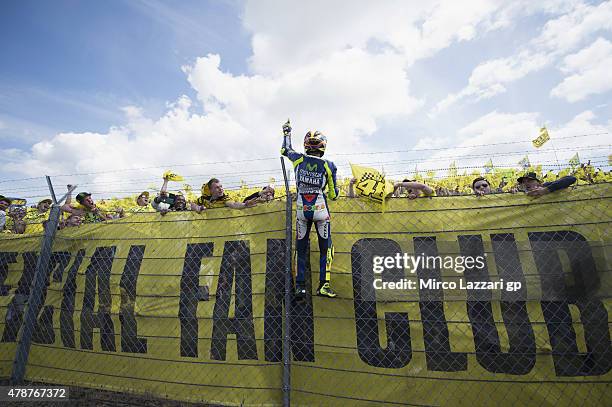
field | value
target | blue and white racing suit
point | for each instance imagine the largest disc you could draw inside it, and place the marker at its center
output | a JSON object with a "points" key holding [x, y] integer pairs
{"points": [[312, 175]]}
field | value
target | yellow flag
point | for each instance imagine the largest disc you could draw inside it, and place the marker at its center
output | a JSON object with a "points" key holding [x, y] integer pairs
{"points": [[575, 160], [525, 162], [488, 167], [542, 138], [452, 169], [371, 183], [173, 176]]}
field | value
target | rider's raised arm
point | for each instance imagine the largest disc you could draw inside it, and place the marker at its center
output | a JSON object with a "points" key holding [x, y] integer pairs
{"points": [[286, 149]]}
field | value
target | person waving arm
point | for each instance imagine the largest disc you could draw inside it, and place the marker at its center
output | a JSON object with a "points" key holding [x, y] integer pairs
{"points": [[287, 150]]}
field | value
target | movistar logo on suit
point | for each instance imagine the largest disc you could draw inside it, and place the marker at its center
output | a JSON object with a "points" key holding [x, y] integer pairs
{"points": [[311, 167]]}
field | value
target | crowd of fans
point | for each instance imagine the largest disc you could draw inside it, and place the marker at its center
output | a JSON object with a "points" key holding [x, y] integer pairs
{"points": [[19, 219], [16, 218]]}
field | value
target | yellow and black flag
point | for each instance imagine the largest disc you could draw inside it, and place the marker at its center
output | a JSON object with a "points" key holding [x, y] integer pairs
{"points": [[575, 160], [173, 176], [371, 184], [452, 169], [542, 138]]}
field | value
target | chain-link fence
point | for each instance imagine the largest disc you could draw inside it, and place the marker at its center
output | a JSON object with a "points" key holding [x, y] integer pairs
{"points": [[455, 300], [462, 301], [186, 306]]}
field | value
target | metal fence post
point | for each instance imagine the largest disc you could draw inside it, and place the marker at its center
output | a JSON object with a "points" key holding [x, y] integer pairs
{"points": [[288, 281], [36, 292]]}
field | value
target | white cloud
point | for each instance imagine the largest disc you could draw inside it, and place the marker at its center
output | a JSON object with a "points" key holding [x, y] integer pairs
{"points": [[570, 30], [591, 72], [339, 95], [558, 36], [499, 71], [488, 79], [177, 137], [499, 132], [290, 34], [433, 142]]}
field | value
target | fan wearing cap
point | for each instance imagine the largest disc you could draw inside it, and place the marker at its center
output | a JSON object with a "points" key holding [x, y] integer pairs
{"points": [[534, 187], [40, 212], [86, 209], [166, 202], [44, 205]]}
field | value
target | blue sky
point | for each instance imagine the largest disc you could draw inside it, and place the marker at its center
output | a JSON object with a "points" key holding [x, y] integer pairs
{"points": [[97, 87], [71, 65]]}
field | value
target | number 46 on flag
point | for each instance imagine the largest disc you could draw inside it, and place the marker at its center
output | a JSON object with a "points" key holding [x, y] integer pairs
{"points": [[371, 184]]}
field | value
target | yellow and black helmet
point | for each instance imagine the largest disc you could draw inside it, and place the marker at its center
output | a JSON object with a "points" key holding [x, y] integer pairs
{"points": [[315, 141]]}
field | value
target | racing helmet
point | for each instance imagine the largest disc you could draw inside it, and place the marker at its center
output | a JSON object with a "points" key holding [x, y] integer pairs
{"points": [[315, 141]]}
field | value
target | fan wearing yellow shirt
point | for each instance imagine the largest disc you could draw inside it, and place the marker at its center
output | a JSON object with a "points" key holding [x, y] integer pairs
{"points": [[86, 209], [142, 203], [214, 196], [39, 214]]}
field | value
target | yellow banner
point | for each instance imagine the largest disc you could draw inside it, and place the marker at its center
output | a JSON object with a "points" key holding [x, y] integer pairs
{"points": [[371, 183], [542, 138], [189, 306]]}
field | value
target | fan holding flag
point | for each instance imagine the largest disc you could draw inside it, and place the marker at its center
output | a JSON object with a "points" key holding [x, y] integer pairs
{"points": [[172, 176], [371, 184], [164, 201]]}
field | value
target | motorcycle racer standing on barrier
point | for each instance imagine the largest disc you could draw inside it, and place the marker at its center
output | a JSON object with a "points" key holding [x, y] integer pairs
{"points": [[312, 175]]}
